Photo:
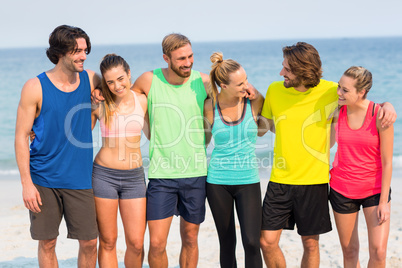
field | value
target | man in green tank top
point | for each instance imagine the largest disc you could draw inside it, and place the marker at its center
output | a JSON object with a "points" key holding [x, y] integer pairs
{"points": [[178, 165]]}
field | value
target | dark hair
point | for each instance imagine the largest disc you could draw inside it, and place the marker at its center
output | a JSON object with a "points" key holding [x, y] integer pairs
{"points": [[110, 61], [304, 62], [63, 39]]}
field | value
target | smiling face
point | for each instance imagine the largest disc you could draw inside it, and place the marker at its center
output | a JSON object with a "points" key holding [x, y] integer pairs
{"points": [[181, 61], [118, 81], [290, 80], [74, 60], [347, 91], [238, 83]]}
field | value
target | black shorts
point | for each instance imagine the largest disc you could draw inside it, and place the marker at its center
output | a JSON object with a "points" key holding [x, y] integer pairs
{"points": [[304, 205], [343, 205]]}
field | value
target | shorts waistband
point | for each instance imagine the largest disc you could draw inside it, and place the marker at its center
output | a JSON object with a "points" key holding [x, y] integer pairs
{"points": [[120, 172]]}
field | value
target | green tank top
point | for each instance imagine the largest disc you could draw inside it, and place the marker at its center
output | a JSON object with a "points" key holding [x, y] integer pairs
{"points": [[177, 145]]}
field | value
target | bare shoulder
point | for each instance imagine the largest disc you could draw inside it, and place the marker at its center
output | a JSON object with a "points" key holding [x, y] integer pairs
{"points": [[143, 83], [32, 90]]}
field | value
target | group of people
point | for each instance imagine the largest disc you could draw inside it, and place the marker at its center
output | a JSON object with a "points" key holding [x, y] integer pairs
{"points": [[179, 110]]}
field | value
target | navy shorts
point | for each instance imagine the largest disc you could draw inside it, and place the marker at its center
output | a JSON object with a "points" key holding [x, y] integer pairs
{"points": [[343, 205], [184, 197], [304, 205], [118, 184]]}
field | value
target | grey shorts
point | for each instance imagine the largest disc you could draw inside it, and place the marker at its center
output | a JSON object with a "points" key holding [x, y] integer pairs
{"points": [[118, 184], [77, 207]]}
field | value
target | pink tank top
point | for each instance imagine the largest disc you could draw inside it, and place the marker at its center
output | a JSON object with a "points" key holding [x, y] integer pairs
{"points": [[356, 172], [124, 125]]}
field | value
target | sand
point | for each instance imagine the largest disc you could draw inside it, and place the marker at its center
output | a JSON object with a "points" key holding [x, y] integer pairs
{"points": [[17, 249]]}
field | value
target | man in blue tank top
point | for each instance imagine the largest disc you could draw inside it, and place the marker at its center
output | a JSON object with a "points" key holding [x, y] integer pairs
{"points": [[56, 169]]}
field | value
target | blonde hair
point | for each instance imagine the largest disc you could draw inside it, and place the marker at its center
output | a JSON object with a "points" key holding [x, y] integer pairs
{"points": [[108, 62], [173, 41], [363, 77], [220, 71]]}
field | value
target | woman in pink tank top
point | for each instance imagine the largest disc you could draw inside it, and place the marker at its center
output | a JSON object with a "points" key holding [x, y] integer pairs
{"points": [[118, 176], [362, 169]]}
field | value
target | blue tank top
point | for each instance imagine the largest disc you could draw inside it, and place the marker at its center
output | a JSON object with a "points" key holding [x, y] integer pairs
{"points": [[233, 160], [61, 154]]}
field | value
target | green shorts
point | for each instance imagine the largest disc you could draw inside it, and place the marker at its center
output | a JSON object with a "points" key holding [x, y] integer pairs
{"points": [[77, 207]]}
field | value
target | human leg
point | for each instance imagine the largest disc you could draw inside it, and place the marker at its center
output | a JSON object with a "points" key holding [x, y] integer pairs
{"points": [[222, 207], [311, 212], [248, 207], [133, 214], [271, 251], [347, 226], [47, 253], [189, 244], [311, 253], [87, 253], [378, 237], [277, 214], [158, 234], [80, 217], [191, 207], [106, 214], [161, 206]]}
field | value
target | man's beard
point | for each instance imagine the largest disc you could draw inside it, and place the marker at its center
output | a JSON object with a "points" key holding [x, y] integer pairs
{"points": [[179, 72], [296, 82]]}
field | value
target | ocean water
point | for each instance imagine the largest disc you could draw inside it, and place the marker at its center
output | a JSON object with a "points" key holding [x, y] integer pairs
{"points": [[262, 61]]}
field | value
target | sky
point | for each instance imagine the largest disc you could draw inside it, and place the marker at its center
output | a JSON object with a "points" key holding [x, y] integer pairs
{"points": [[27, 23]]}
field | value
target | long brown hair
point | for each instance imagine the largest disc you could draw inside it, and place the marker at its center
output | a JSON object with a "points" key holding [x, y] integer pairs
{"points": [[108, 62]]}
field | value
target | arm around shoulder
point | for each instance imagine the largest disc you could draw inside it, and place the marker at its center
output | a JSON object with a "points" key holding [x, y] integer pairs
{"points": [[94, 79], [207, 84], [208, 120], [386, 147], [143, 83]]}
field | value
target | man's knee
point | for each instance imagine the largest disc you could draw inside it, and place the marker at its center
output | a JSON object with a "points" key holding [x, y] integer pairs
{"points": [[88, 245], [268, 242], [47, 245], [157, 245], [310, 243]]}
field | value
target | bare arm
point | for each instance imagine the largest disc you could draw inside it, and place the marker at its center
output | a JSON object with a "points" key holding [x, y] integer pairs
{"points": [[144, 105], [208, 120], [94, 115], [28, 110], [143, 83], [207, 85], [265, 124], [334, 117], [386, 147]]}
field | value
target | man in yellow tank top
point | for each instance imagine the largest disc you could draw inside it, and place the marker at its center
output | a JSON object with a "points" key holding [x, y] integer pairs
{"points": [[297, 110]]}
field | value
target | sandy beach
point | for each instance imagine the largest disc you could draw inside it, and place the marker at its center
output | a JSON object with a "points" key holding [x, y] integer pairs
{"points": [[17, 249]]}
